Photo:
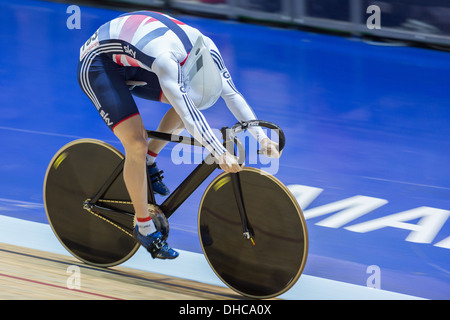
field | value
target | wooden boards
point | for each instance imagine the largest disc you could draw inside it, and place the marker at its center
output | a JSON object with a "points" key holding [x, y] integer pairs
{"points": [[29, 274]]}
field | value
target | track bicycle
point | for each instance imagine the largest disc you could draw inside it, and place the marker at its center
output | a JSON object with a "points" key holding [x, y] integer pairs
{"points": [[251, 228]]}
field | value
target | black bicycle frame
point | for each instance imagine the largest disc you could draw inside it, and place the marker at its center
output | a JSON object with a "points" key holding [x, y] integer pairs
{"points": [[178, 196], [181, 193]]}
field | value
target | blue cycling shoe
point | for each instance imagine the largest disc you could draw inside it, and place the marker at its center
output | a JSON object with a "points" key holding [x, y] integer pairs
{"points": [[156, 178], [155, 244]]}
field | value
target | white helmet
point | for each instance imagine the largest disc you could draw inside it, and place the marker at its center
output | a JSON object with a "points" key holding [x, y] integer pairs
{"points": [[201, 77]]}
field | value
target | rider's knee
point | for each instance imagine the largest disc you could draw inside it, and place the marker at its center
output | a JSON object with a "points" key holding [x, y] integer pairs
{"points": [[136, 146]]}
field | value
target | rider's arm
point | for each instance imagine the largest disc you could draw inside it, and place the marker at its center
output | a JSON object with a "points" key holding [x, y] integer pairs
{"points": [[242, 111], [232, 97], [239, 106], [168, 70]]}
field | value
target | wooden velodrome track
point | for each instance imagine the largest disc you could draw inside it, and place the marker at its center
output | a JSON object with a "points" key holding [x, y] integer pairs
{"points": [[29, 274]]}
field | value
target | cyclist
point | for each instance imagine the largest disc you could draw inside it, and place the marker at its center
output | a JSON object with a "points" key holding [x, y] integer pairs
{"points": [[143, 53]]}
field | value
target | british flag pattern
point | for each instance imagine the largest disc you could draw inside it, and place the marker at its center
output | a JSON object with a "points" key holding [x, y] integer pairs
{"points": [[139, 37]]}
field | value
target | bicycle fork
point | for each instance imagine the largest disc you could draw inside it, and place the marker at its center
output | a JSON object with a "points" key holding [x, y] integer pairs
{"points": [[247, 230]]}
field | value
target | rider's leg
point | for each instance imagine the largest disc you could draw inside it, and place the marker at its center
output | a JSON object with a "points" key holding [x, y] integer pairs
{"points": [[131, 132], [104, 82], [170, 123], [133, 136]]}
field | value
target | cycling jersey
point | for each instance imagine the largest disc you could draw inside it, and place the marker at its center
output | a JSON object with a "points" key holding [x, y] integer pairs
{"points": [[151, 47]]}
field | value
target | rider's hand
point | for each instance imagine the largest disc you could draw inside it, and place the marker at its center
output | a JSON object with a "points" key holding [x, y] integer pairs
{"points": [[229, 163], [270, 148]]}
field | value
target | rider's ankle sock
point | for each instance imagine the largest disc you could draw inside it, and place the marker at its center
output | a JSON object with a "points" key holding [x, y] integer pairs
{"points": [[146, 226], [151, 157]]}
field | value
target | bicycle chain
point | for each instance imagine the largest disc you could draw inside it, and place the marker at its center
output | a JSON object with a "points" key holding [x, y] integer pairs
{"points": [[88, 209]]}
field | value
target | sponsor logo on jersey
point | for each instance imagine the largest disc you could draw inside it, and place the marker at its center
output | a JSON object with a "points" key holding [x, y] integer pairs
{"points": [[89, 45], [105, 117], [129, 51]]}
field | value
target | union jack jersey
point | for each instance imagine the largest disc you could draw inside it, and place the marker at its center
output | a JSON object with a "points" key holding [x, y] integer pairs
{"points": [[136, 39]]}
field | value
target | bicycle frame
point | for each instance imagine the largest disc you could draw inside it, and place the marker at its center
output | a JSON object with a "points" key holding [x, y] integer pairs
{"points": [[176, 198], [191, 182]]}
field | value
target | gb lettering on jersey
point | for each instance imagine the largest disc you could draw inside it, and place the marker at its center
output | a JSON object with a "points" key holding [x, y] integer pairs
{"points": [[89, 45]]}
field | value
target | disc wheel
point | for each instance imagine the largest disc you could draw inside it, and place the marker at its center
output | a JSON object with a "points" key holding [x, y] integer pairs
{"points": [[272, 261], [75, 174]]}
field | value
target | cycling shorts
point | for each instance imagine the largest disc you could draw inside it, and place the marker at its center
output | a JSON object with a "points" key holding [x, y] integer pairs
{"points": [[104, 82]]}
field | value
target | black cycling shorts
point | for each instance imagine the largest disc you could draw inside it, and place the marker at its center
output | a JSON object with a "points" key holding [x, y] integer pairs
{"points": [[104, 82]]}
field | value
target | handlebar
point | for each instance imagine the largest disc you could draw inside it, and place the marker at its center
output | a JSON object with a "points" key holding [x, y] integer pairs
{"points": [[230, 134]]}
